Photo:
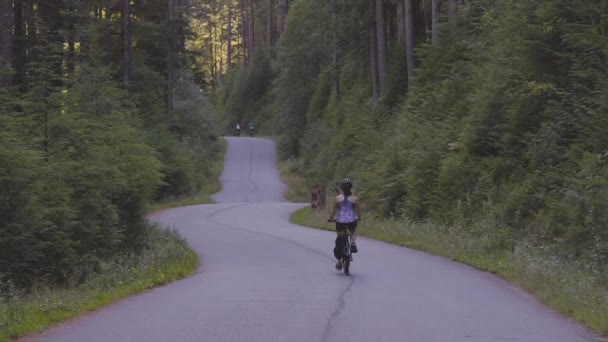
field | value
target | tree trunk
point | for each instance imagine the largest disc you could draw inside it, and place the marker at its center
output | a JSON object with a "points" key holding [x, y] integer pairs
{"points": [[251, 31], [107, 29], [71, 53], [335, 67], [401, 25], [451, 10], [238, 52], [280, 19], [19, 45], [6, 37], [212, 53], [381, 43], [216, 75], [85, 24], [409, 40], [219, 39], [229, 38], [284, 4], [373, 49], [31, 30], [182, 29], [52, 42], [435, 21], [244, 30], [269, 24], [170, 59], [127, 60]]}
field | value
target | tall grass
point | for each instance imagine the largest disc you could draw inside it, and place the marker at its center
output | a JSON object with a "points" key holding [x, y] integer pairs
{"points": [[571, 287], [298, 189], [165, 258]]}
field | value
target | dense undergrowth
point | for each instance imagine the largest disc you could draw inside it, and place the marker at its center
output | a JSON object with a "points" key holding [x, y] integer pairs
{"points": [[210, 186], [85, 146]]}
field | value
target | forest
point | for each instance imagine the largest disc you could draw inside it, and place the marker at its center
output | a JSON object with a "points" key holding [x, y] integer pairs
{"points": [[484, 118], [100, 115]]}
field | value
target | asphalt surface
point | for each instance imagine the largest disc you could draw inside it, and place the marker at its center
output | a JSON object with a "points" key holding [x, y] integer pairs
{"points": [[264, 279]]}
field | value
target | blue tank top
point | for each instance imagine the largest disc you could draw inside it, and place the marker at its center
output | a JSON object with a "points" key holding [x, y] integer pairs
{"points": [[346, 212]]}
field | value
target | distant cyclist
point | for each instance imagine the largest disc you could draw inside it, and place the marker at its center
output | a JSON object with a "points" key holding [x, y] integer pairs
{"points": [[346, 212]]}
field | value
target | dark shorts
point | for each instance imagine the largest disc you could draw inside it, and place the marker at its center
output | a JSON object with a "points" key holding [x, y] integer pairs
{"points": [[343, 226]]}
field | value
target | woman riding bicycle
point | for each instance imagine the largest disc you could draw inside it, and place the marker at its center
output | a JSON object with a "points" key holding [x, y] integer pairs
{"points": [[348, 212]]}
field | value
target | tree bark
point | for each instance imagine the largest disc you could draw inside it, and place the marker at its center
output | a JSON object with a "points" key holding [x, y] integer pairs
{"points": [[85, 23], [435, 21], [335, 67], [284, 4], [451, 10], [212, 53], [127, 60], [51, 23], [31, 30], [401, 24], [19, 45], [244, 30], [409, 40], [270, 27], [107, 29], [229, 38], [381, 43], [219, 39], [238, 51], [182, 29], [251, 31], [373, 49], [170, 46], [71, 53], [6, 36]]}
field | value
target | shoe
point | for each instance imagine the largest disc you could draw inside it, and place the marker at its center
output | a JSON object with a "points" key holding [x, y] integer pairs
{"points": [[339, 265], [353, 248]]}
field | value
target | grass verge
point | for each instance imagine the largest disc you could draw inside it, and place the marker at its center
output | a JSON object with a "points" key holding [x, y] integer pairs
{"points": [[167, 257], [211, 185], [570, 287]]}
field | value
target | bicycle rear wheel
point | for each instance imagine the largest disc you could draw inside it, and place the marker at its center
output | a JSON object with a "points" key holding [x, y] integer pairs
{"points": [[346, 265]]}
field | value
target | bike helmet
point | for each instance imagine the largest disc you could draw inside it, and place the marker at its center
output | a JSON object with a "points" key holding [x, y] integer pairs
{"points": [[346, 181]]}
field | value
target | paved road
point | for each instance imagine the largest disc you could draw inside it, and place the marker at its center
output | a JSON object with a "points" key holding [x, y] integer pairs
{"points": [[264, 279]]}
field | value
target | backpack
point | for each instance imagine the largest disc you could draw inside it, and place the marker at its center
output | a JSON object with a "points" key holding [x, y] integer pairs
{"points": [[339, 249]]}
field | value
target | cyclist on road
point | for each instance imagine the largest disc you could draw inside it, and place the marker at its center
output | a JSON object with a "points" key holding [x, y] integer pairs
{"points": [[348, 212]]}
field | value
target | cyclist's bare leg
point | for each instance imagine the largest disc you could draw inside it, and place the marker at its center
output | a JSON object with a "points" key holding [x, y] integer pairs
{"points": [[353, 238], [339, 261]]}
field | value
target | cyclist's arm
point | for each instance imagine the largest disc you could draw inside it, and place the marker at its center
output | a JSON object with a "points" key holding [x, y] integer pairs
{"points": [[333, 212], [358, 208]]}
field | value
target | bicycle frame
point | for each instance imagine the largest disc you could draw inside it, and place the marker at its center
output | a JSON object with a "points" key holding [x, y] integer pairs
{"points": [[347, 254]]}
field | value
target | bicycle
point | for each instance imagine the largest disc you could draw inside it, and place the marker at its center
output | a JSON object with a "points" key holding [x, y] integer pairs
{"points": [[347, 256]]}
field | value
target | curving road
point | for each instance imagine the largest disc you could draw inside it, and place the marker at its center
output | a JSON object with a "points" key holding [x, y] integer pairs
{"points": [[264, 279]]}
